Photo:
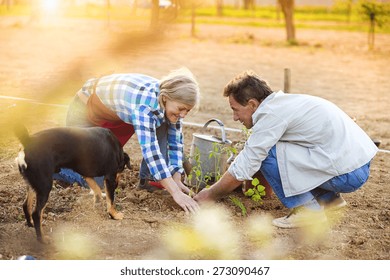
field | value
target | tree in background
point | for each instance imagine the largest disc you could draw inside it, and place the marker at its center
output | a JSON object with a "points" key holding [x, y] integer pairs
{"points": [[192, 5], [377, 14], [288, 13], [249, 4]]}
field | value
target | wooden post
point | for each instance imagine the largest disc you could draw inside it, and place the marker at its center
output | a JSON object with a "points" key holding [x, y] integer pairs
{"points": [[287, 80]]}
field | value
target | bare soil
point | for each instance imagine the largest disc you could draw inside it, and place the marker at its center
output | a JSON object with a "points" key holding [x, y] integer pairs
{"points": [[48, 63]]}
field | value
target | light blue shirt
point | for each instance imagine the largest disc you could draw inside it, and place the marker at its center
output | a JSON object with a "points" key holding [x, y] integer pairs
{"points": [[315, 141]]}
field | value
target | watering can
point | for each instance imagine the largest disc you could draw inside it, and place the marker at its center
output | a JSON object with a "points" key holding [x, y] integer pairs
{"points": [[208, 157]]}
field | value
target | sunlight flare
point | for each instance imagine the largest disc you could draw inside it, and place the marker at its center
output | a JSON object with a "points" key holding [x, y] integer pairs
{"points": [[50, 6]]}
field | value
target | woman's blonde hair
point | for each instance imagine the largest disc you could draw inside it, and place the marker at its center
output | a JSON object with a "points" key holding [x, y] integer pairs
{"points": [[181, 86]]}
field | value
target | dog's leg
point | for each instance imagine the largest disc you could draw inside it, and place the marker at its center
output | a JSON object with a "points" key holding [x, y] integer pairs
{"points": [[97, 192], [27, 206], [37, 216], [111, 185]]}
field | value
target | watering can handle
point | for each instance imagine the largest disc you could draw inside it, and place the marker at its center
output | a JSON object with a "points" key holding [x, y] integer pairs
{"points": [[231, 158], [220, 124]]}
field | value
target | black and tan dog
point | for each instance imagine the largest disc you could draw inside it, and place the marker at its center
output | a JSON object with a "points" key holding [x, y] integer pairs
{"points": [[92, 152]]}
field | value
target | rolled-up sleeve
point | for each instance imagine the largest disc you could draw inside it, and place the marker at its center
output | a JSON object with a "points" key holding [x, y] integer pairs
{"points": [[175, 147]]}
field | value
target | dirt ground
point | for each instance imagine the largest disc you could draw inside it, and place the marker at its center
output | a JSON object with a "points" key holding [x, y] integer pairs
{"points": [[48, 63]]}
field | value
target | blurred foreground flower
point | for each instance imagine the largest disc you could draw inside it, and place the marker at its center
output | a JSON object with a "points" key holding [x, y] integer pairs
{"points": [[260, 229], [74, 246], [209, 235], [316, 231]]}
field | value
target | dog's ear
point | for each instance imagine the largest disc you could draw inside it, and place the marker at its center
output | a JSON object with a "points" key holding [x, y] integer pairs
{"points": [[126, 160]]}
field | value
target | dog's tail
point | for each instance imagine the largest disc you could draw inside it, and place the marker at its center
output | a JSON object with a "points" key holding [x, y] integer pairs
{"points": [[24, 138], [22, 134]]}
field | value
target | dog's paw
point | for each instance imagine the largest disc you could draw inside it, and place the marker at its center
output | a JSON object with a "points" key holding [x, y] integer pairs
{"points": [[45, 240], [116, 215]]}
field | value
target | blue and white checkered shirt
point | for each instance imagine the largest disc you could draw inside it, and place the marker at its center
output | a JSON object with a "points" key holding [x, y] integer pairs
{"points": [[134, 98]]}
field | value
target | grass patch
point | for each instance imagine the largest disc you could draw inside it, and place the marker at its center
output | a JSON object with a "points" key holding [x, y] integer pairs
{"points": [[322, 18]]}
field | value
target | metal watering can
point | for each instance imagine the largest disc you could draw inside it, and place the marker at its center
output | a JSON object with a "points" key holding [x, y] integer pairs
{"points": [[208, 157]]}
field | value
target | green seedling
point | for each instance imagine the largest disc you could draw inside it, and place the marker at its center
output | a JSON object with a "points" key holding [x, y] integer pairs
{"points": [[201, 177], [237, 202], [257, 192], [196, 171]]}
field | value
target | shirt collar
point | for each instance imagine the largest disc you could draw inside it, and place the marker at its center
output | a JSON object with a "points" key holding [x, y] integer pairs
{"points": [[259, 109]]}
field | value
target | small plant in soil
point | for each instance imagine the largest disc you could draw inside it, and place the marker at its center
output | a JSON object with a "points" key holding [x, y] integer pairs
{"points": [[257, 192]]}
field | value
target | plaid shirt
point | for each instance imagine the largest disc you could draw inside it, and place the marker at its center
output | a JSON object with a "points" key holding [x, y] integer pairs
{"points": [[134, 98]]}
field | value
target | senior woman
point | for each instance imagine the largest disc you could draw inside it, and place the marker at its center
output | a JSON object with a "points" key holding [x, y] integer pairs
{"points": [[153, 109]]}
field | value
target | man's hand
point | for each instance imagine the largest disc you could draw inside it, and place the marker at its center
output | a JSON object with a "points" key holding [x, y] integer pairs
{"points": [[222, 187], [203, 196]]}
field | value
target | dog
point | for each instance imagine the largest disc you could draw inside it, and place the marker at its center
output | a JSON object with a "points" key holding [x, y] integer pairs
{"points": [[91, 152]]}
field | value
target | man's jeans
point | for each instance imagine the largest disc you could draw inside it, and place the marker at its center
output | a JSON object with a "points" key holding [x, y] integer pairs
{"points": [[345, 183]]}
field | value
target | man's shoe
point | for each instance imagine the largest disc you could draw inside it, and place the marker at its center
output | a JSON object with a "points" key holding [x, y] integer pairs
{"points": [[149, 186], [301, 217], [335, 203]]}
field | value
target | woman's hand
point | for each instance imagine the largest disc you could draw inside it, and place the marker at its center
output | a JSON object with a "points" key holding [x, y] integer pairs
{"points": [[186, 202], [176, 190], [179, 183]]}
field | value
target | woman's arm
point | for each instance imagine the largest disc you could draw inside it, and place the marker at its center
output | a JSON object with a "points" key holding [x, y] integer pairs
{"points": [[175, 147]]}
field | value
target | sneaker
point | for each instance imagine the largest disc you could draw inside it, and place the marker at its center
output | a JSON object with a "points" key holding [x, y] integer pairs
{"points": [[150, 186], [301, 217], [335, 203]]}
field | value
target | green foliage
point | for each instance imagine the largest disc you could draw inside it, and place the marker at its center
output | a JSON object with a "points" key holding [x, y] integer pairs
{"points": [[373, 11], [309, 17], [196, 171], [15, 10], [339, 17], [257, 192], [237, 202], [202, 177]]}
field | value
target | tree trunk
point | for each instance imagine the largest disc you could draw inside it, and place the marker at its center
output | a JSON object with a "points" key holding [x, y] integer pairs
{"points": [[219, 8], [288, 12], [371, 33]]}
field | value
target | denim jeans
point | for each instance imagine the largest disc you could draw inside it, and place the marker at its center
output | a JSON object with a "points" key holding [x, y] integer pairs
{"points": [[162, 138], [345, 183]]}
